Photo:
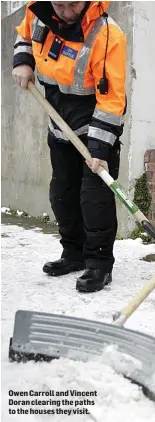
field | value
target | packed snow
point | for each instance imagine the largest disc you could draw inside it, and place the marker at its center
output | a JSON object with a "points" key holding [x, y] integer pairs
{"points": [[25, 286]]}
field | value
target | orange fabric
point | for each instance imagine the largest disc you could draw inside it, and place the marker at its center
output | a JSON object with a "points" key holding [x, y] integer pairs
{"points": [[114, 101], [25, 28], [63, 69]]}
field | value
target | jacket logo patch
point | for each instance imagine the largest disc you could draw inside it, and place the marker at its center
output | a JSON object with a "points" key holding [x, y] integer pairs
{"points": [[69, 52]]}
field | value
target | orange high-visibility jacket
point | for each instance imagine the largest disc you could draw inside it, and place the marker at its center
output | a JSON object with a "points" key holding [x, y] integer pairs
{"points": [[69, 60]]}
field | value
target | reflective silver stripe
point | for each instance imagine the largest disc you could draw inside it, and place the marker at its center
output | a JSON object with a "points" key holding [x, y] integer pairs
{"points": [[101, 135], [22, 48], [65, 89], [78, 84], [70, 89], [108, 117], [112, 22], [58, 134], [46, 80], [21, 39], [37, 22]]}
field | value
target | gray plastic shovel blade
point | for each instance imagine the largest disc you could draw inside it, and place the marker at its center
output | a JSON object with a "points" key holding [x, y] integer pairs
{"points": [[40, 336]]}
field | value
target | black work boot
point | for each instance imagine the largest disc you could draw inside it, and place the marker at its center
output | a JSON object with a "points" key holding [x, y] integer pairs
{"points": [[93, 280], [63, 266]]}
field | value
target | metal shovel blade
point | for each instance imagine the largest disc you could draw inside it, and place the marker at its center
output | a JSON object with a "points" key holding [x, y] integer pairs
{"points": [[40, 336]]}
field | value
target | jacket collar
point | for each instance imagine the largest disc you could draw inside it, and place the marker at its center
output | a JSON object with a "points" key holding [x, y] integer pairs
{"points": [[45, 12]]}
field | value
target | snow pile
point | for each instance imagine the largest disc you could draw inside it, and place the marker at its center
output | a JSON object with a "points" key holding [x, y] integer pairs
{"points": [[115, 399], [24, 286], [5, 210]]}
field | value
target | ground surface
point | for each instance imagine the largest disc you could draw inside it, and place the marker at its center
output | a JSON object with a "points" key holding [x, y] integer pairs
{"points": [[24, 286]]}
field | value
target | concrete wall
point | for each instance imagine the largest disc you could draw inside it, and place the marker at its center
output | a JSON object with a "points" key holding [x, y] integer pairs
{"points": [[143, 88], [8, 7], [4, 9], [26, 169], [122, 13]]}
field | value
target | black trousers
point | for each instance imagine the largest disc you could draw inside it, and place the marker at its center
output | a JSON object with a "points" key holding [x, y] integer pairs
{"points": [[83, 205]]}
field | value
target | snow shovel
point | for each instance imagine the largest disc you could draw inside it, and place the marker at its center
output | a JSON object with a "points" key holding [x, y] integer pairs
{"points": [[42, 337], [113, 185]]}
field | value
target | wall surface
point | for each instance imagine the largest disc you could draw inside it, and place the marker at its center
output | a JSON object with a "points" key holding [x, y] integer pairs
{"points": [[4, 9], [143, 88], [26, 169], [122, 13]]}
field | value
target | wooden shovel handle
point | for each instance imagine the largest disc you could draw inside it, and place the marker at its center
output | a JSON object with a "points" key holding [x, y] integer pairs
{"points": [[59, 121], [105, 176], [120, 317]]}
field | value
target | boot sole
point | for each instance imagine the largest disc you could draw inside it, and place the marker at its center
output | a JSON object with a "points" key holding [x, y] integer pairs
{"points": [[71, 269]]}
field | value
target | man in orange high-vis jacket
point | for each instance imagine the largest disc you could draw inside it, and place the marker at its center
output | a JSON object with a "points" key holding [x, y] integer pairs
{"points": [[80, 57]]}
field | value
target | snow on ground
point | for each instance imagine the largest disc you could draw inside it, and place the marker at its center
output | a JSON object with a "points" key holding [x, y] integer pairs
{"points": [[24, 286]]}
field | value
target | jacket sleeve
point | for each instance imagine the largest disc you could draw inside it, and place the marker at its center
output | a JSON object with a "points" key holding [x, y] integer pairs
{"points": [[107, 121], [23, 44]]}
